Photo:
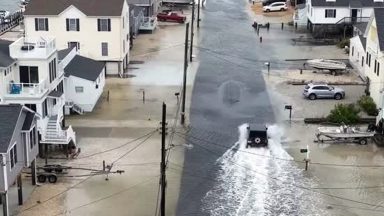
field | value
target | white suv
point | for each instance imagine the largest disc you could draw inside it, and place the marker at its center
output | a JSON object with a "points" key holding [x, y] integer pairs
{"points": [[277, 6]]}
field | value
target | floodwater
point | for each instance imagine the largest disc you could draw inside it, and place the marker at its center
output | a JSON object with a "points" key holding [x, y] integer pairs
{"points": [[251, 182], [10, 5]]}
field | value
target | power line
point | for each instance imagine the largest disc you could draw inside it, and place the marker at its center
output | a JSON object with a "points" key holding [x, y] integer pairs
{"points": [[295, 185], [120, 146], [59, 194], [132, 149], [111, 195], [214, 180], [277, 158]]}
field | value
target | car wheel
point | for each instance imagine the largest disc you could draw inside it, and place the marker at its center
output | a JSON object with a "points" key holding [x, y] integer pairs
{"points": [[282, 9], [267, 10], [338, 96], [312, 97]]}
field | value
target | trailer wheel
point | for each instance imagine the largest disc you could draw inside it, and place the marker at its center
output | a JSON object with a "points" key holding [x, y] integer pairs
{"points": [[52, 179], [41, 178], [363, 141]]}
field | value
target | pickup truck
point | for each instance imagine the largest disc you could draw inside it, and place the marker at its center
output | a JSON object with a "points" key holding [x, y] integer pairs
{"points": [[171, 16]]}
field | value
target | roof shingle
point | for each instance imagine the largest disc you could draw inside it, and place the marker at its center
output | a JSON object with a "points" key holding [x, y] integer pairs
{"points": [[5, 58], [88, 7], [9, 115], [379, 17], [84, 68], [346, 3]]}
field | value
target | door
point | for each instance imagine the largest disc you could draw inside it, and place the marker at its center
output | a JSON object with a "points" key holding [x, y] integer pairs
{"points": [[354, 15], [29, 75]]}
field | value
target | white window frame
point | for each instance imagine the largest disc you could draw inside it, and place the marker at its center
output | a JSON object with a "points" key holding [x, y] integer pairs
{"points": [[13, 159], [104, 49], [41, 24], [72, 24], [104, 24], [330, 13]]}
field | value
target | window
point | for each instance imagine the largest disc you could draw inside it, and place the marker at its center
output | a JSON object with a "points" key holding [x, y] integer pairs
{"points": [[52, 70], [103, 24], [330, 13], [123, 22], [60, 87], [13, 155], [29, 74], [369, 60], [41, 24], [79, 89], [374, 70], [32, 137], [73, 24], [123, 46], [45, 108], [362, 61], [74, 44], [104, 49], [353, 50], [378, 69]]}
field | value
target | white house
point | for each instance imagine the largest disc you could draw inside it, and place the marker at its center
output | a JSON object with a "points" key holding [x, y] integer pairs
{"points": [[357, 49], [374, 56], [99, 29], [18, 149], [84, 81], [30, 76], [328, 13]]}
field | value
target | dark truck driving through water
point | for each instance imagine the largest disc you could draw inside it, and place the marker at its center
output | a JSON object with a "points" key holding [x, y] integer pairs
{"points": [[257, 136]]}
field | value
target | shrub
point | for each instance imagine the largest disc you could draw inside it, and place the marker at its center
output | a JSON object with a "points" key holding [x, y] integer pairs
{"points": [[344, 113], [368, 105], [343, 43]]}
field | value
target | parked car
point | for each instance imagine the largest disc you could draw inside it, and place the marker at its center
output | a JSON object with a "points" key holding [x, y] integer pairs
{"points": [[313, 91], [277, 6], [268, 2], [171, 16], [257, 135]]}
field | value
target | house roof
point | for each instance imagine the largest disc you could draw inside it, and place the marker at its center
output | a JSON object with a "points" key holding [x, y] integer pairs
{"points": [[9, 115], [64, 52], [84, 68], [28, 121], [363, 41], [5, 58], [347, 3], [361, 26], [379, 17], [88, 7], [55, 94]]}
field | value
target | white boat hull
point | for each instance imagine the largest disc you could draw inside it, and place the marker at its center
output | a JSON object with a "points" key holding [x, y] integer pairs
{"points": [[327, 64]]}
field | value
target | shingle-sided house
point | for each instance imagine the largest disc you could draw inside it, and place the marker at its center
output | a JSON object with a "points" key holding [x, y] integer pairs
{"points": [[18, 148], [332, 14], [84, 81], [98, 29], [374, 56]]}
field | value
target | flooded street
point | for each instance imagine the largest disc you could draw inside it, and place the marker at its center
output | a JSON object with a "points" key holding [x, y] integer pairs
{"points": [[252, 182]]}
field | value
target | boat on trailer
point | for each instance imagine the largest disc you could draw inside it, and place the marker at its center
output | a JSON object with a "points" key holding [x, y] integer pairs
{"points": [[343, 133], [326, 64]]}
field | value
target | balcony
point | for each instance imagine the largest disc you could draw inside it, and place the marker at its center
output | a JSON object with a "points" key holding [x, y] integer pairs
{"points": [[34, 48], [26, 90], [148, 23]]}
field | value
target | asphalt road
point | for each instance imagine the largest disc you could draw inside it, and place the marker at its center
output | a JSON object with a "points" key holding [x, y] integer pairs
{"points": [[229, 90]]}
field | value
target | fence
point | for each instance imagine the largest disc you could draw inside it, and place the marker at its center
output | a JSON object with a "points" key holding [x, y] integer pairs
{"points": [[10, 22]]}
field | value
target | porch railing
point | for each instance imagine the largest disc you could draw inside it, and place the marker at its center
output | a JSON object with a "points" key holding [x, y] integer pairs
{"points": [[27, 88]]}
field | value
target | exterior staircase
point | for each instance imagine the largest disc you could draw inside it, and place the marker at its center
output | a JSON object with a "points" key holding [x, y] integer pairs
{"points": [[54, 134], [76, 108]]}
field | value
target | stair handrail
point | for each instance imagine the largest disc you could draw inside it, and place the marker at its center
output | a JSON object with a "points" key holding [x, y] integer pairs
{"points": [[357, 20]]}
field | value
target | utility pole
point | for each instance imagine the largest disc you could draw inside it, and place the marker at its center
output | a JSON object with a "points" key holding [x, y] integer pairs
{"points": [[163, 165], [198, 13], [182, 119], [193, 20]]}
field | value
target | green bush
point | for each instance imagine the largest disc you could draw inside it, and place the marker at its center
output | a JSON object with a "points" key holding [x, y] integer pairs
{"points": [[344, 113], [368, 105], [344, 42]]}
